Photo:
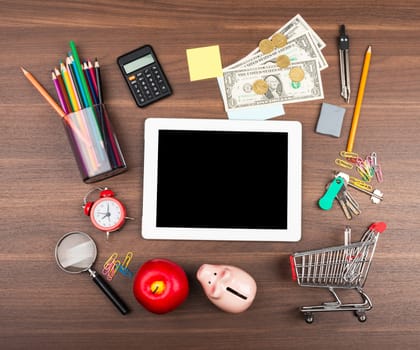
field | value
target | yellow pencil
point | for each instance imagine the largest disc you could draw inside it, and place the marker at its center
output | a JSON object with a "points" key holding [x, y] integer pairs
{"points": [[359, 99], [43, 92]]}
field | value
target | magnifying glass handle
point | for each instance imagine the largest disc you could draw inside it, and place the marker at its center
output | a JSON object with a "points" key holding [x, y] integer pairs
{"points": [[109, 292]]}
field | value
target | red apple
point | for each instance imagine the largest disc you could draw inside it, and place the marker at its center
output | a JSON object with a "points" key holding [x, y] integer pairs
{"points": [[160, 285]]}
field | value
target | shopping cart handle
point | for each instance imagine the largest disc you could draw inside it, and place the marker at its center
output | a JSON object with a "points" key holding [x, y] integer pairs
{"points": [[378, 227], [327, 200], [293, 267]]}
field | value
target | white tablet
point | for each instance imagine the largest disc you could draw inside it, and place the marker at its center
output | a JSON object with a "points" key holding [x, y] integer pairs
{"points": [[218, 179]]}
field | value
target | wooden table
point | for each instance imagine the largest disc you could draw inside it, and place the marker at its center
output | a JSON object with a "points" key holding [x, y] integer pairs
{"points": [[43, 308]]}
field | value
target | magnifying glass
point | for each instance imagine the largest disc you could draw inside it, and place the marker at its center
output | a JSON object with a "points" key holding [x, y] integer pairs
{"points": [[76, 252]]}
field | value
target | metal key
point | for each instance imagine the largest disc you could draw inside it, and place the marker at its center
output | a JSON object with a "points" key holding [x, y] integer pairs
{"points": [[347, 203], [342, 200], [352, 204]]}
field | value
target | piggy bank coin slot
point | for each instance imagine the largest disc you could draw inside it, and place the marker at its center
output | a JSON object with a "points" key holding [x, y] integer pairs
{"points": [[233, 291]]}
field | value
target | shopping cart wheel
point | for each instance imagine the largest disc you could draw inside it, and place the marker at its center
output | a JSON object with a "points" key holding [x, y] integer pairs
{"points": [[361, 316], [309, 317]]}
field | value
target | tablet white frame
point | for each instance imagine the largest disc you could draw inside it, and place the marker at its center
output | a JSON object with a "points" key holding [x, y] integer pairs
{"points": [[294, 176]]}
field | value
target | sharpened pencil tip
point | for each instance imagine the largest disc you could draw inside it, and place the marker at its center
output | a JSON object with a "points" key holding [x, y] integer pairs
{"points": [[23, 70]]}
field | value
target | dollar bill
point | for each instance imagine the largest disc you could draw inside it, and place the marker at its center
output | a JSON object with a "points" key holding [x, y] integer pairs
{"points": [[251, 113], [299, 48], [293, 28], [238, 93], [297, 25]]}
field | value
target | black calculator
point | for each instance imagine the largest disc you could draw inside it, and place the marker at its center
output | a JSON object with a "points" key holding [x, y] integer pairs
{"points": [[144, 76]]}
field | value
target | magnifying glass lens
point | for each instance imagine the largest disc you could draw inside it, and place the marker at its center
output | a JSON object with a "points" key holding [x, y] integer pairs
{"points": [[75, 252]]}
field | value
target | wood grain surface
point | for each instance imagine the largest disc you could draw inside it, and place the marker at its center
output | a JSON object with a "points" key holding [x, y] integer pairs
{"points": [[43, 308]]}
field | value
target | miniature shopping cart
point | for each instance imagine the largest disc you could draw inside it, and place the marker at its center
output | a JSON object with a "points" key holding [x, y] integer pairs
{"points": [[344, 267]]}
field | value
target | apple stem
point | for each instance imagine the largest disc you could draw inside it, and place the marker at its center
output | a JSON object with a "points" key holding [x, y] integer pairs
{"points": [[157, 287]]}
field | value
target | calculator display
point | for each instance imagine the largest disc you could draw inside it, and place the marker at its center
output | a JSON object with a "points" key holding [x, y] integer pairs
{"points": [[138, 64]]}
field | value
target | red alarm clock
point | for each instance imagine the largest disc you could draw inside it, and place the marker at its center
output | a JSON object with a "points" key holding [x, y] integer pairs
{"points": [[107, 213]]}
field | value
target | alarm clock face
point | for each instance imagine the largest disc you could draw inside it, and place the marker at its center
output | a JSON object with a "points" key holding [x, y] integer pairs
{"points": [[107, 214]]}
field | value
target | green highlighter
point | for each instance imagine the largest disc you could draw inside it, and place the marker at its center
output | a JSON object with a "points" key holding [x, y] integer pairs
{"points": [[327, 200]]}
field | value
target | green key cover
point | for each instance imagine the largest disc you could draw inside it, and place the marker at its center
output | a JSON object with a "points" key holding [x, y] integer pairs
{"points": [[327, 200]]}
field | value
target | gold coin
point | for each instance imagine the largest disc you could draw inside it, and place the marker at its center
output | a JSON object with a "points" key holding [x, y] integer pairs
{"points": [[279, 40], [266, 46], [260, 87], [296, 74], [283, 61]]}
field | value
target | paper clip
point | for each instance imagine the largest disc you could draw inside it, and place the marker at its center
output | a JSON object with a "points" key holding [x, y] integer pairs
{"points": [[350, 156], [124, 266], [127, 259], [360, 184], [376, 167], [113, 270], [125, 271], [378, 173], [364, 169], [109, 264], [343, 163], [364, 174]]}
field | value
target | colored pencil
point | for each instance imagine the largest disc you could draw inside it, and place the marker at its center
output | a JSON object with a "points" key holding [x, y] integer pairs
{"points": [[90, 124], [63, 89], [73, 82], [92, 75], [69, 87], [98, 80], [90, 83], [51, 101], [59, 93], [80, 85], [106, 127], [43, 92], [78, 68], [359, 100], [77, 83], [85, 124]]}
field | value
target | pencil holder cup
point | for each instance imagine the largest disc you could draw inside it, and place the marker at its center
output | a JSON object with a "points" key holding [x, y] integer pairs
{"points": [[94, 144]]}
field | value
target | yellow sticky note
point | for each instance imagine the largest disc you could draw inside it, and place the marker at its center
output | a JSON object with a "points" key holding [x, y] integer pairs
{"points": [[204, 62]]}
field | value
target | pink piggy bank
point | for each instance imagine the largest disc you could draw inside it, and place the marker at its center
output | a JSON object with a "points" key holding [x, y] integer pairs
{"points": [[228, 287]]}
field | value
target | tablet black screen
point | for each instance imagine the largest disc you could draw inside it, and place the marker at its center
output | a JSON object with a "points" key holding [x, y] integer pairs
{"points": [[222, 179]]}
